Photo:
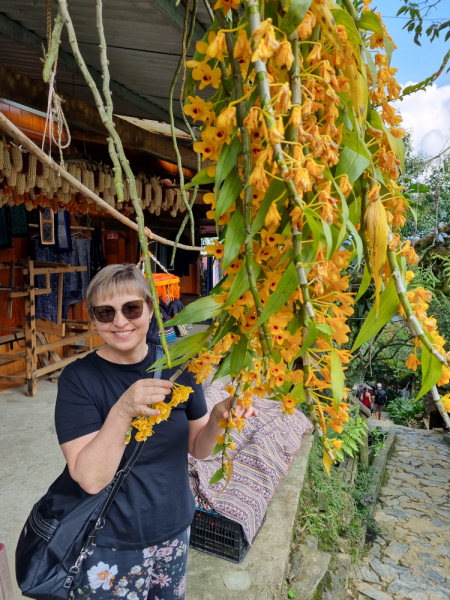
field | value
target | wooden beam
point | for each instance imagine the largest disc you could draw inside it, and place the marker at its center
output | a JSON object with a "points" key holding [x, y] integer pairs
{"points": [[26, 37], [63, 342], [60, 365], [20, 137], [47, 326], [13, 379], [85, 120], [13, 357]]}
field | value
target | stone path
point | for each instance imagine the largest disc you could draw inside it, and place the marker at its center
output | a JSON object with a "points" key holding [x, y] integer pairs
{"points": [[410, 559]]}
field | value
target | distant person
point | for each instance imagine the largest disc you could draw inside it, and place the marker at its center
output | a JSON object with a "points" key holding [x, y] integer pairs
{"points": [[379, 400], [360, 391], [366, 398]]}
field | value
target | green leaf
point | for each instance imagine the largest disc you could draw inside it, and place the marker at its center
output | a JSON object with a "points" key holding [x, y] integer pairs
{"points": [[337, 379], [327, 329], [234, 238], [228, 193], [294, 16], [316, 231], [352, 164], [286, 286], [201, 178], [350, 139], [370, 22], [364, 283], [342, 17], [431, 371], [418, 187], [241, 284], [238, 355], [227, 325], [184, 349], [197, 312], [414, 214], [228, 158], [389, 305], [298, 391], [218, 475], [277, 191], [328, 237], [370, 64], [309, 340], [356, 237], [388, 48], [224, 368], [217, 449]]}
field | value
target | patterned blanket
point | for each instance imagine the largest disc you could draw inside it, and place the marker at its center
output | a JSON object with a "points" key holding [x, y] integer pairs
{"points": [[261, 459]]}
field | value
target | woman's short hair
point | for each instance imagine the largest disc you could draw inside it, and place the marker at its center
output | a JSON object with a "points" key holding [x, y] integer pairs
{"points": [[117, 279]]}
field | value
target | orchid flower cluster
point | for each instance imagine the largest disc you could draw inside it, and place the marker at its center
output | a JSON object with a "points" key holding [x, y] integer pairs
{"points": [[144, 424], [304, 150]]}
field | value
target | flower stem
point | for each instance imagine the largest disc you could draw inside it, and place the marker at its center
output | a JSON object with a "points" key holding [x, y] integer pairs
{"points": [[108, 123]]}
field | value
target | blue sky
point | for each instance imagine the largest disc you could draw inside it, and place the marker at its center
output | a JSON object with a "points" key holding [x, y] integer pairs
{"points": [[414, 63], [426, 113]]}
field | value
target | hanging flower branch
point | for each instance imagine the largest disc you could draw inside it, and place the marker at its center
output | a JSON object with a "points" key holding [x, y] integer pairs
{"points": [[304, 151], [300, 164]]}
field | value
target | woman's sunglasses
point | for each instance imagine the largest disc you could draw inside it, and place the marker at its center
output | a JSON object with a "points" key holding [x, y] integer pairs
{"points": [[130, 310]]}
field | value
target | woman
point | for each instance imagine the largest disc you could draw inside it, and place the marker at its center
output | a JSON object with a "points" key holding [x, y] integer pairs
{"points": [[141, 551], [365, 398]]}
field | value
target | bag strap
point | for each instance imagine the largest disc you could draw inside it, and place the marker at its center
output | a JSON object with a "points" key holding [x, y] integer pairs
{"points": [[113, 489], [159, 354]]}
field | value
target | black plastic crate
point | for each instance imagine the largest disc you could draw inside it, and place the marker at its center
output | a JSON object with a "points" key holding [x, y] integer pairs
{"points": [[217, 535]]}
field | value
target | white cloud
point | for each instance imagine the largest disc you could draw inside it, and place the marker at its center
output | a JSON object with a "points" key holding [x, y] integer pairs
{"points": [[427, 115]]}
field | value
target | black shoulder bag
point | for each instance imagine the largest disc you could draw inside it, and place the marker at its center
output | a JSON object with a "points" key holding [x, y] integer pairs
{"points": [[61, 529]]}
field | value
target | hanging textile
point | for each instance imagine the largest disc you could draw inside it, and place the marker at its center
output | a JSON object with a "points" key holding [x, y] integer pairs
{"points": [[217, 272], [209, 275], [98, 260], [46, 226], [19, 225], [5, 232], [63, 239], [74, 284], [183, 258], [78, 282]]}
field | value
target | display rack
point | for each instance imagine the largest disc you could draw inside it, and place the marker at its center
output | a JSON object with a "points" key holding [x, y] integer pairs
{"points": [[34, 331]]}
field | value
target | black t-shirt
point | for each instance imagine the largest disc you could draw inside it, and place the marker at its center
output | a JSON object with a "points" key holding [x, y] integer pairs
{"points": [[155, 502]]}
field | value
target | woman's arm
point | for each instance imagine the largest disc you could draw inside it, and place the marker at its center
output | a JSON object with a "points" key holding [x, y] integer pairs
{"points": [[203, 432], [93, 459]]}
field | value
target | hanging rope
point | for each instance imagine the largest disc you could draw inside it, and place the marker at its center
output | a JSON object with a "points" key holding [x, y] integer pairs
{"points": [[54, 104]]}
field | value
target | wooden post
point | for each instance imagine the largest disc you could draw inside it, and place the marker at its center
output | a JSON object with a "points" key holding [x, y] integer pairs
{"points": [[30, 334], [60, 296], [12, 267]]}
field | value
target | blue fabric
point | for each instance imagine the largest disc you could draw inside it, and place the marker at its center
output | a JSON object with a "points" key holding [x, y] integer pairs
{"points": [[75, 284]]}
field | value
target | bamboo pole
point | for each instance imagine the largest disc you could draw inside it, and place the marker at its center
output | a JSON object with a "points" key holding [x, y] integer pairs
{"points": [[15, 133], [264, 95], [248, 189], [108, 123], [292, 135], [181, 62]]}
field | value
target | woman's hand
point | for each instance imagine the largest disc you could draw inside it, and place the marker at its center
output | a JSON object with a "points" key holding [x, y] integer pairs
{"points": [[135, 401], [222, 411]]}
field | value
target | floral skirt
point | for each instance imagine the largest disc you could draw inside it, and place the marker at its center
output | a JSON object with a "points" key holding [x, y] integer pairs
{"points": [[155, 573]]}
